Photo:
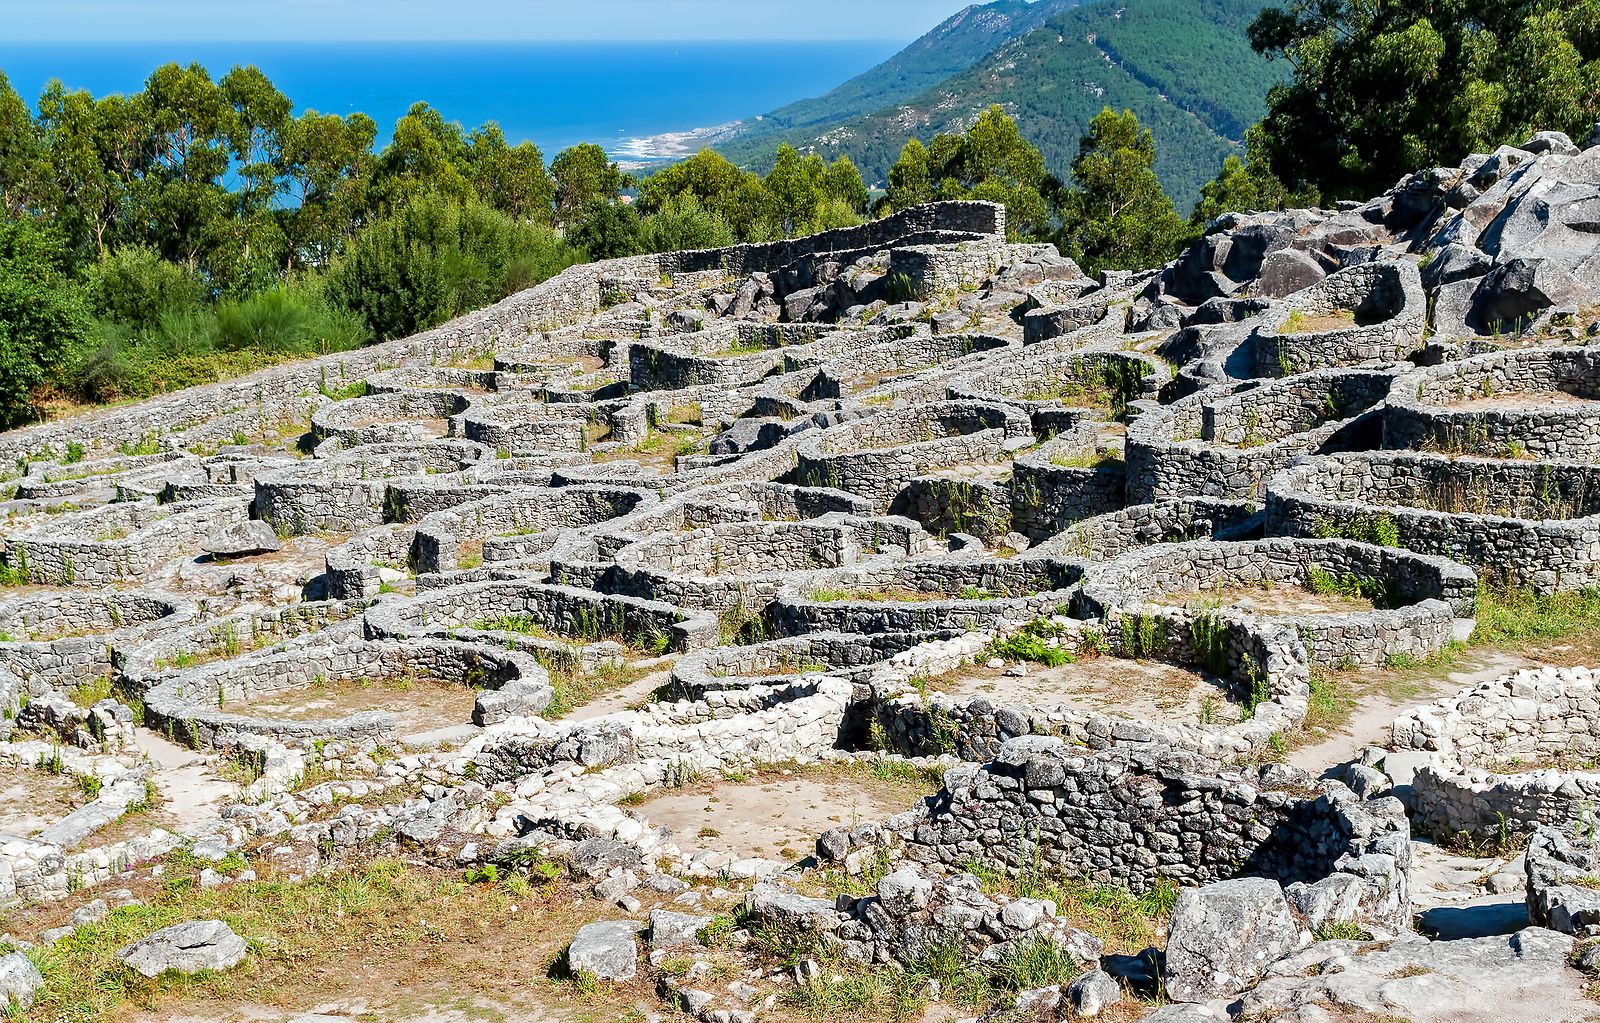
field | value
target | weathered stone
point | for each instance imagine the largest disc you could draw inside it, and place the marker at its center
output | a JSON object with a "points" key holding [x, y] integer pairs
{"points": [[185, 948], [595, 857], [1285, 272], [242, 539], [20, 980], [771, 904], [668, 928], [1223, 937], [1092, 993], [606, 951]]}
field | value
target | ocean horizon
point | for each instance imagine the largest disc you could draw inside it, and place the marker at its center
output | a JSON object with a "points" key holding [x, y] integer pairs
{"points": [[552, 94]]}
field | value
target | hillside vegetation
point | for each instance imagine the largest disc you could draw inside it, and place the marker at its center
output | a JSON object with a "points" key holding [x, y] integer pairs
{"points": [[1184, 67], [1380, 90], [956, 44], [199, 229]]}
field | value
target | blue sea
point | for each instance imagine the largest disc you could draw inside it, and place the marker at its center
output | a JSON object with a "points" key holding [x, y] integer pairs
{"points": [[554, 94]]}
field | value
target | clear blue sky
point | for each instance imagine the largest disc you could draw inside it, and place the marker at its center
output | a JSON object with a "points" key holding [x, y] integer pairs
{"points": [[170, 20]]}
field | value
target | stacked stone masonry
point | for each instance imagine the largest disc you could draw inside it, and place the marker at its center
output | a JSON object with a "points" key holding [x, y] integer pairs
{"points": [[903, 494]]}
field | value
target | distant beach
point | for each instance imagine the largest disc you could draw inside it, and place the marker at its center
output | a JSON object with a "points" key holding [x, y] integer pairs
{"points": [[641, 101], [672, 145]]}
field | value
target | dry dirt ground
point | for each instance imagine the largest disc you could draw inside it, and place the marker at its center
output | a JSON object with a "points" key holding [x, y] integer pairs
{"points": [[1379, 702], [777, 817], [32, 800], [1116, 685], [1271, 601], [1520, 400], [418, 704]]}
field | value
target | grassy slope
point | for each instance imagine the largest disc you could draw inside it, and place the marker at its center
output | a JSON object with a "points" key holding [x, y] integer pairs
{"points": [[1183, 66]]}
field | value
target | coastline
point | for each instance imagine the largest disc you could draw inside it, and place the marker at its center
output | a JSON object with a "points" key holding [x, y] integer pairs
{"points": [[645, 150]]}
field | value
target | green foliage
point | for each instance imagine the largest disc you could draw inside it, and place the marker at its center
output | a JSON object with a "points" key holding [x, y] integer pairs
{"points": [[607, 231], [134, 286], [201, 343], [1516, 616], [195, 218], [706, 200], [1208, 636], [42, 319], [1034, 963], [806, 195], [1320, 581], [1379, 91], [1381, 530], [681, 224], [1342, 930], [1184, 67], [1248, 185], [990, 161], [19, 148], [718, 932], [584, 179], [1116, 217], [1033, 643], [736, 197], [1142, 635], [287, 320], [434, 258]]}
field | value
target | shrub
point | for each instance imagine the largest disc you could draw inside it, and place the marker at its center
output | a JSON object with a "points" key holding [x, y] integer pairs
{"points": [[41, 320], [134, 286], [200, 344], [434, 258], [683, 224], [1031, 643], [607, 231], [288, 320]]}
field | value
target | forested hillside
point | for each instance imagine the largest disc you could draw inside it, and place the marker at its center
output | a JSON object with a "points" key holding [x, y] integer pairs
{"points": [[954, 45], [1185, 67]]}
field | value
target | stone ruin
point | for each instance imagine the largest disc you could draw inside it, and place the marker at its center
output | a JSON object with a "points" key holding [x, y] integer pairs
{"points": [[905, 494]]}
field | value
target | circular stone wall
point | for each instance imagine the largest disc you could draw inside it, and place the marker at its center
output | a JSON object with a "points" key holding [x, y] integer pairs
{"points": [[1060, 392], [1521, 523], [1102, 537], [1562, 864], [958, 593], [349, 490], [1372, 312], [1220, 688], [54, 640], [1352, 603], [1044, 803], [192, 706], [393, 417], [1511, 754], [876, 457], [561, 611], [1228, 441], [1537, 402]]}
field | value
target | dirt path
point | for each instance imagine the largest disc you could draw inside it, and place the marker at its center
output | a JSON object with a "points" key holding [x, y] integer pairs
{"points": [[190, 792], [618, 700], [1376, 711]]}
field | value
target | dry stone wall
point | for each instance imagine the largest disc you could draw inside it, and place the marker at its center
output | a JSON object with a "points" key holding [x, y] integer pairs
{"points": [[903, 499]]}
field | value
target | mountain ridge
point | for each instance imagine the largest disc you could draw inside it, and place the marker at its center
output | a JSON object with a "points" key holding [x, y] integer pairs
{"points": [[945, 50], [1185, 67]]}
